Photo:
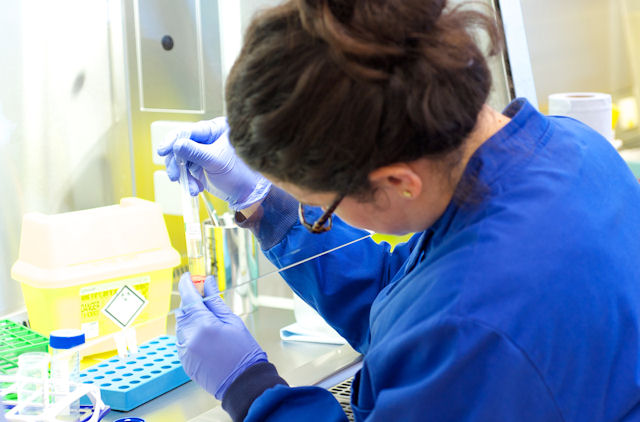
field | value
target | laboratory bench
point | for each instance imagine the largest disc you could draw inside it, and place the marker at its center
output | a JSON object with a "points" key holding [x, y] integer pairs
{"points": [[299, 363]]}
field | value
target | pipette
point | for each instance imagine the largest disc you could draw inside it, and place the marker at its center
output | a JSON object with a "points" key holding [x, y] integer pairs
{"points": [[192, 231], [211, 211]]}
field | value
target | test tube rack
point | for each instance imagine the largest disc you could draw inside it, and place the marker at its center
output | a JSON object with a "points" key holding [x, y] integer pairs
{"points": [[127, 383], [15, 340]]}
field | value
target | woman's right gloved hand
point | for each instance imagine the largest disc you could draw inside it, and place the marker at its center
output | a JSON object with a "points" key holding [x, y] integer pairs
{"points": [[213, 164]]}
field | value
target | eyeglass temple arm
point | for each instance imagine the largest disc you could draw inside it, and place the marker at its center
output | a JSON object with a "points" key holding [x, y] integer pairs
{"points": [[328, 214]]}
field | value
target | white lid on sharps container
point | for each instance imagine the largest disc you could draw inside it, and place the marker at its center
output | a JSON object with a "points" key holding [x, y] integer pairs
{"points": [[66, 338]]}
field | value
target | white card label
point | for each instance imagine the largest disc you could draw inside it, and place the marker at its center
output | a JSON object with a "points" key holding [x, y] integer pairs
{"points": [[90, 329]]}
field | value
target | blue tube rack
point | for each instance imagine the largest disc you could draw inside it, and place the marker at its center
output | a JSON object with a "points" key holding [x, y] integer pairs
{"points": [[127, 383]]}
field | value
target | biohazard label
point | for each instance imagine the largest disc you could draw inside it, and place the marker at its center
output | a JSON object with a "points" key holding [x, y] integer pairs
{"points": [[94, 298], [124, 306]]}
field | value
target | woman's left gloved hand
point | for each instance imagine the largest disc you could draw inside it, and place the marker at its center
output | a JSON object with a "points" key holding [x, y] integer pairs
{"points": [[214, 345]]}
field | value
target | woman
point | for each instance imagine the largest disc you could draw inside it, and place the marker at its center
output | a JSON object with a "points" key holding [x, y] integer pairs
{"points": [[518, 298]]}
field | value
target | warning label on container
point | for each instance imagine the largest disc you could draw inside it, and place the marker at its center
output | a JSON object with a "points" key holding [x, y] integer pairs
{"points": [[124, 307], [94, 298]]}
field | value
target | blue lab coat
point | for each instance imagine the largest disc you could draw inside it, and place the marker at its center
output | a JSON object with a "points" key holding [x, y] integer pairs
{"points": [[523, 305]]}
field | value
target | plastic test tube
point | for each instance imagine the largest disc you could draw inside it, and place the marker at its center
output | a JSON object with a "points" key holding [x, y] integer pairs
{"points": [[33, 383], [65, 366], [193, 232]]}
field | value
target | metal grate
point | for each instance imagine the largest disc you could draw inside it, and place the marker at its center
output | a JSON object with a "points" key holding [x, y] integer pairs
{"points": [[342, 393]]}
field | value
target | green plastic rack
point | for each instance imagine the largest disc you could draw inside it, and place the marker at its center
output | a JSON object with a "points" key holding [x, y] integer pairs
{"points": [[16, 340]]}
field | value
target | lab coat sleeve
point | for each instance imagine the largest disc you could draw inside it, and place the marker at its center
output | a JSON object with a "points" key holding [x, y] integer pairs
{"points": [[340, 285], [452, 370]]}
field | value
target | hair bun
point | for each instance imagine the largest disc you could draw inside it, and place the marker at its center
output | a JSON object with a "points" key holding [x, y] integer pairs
{"points": [[369, 36]]}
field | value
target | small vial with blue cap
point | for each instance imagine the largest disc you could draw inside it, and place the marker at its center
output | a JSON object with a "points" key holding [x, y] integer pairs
{"points": [[65, 366]]}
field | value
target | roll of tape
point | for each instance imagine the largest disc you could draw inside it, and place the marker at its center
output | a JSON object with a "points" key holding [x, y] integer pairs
{"points": [[591, 108]]}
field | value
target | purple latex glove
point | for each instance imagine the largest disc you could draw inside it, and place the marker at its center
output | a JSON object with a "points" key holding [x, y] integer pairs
{"points": [[213, 164], [214, 345]]}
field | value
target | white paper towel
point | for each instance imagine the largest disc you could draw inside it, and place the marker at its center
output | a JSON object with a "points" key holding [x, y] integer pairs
{"points": [[591, 108], [309, 326]]}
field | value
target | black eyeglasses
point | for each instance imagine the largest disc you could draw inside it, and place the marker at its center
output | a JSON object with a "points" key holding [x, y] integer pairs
{"points": [[319, 225]]}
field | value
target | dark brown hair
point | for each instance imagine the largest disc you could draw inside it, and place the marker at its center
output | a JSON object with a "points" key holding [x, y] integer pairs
{"points": [[325, 91]]}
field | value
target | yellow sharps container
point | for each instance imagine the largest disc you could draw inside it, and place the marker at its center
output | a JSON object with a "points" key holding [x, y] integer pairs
{"points": [[71, 264]]}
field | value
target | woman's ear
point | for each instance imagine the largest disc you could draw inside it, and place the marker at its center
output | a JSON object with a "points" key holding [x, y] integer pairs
{"points": [[398, 178]]}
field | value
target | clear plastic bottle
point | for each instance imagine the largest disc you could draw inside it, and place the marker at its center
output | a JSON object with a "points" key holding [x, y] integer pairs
{"points": [[65, 366]]}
